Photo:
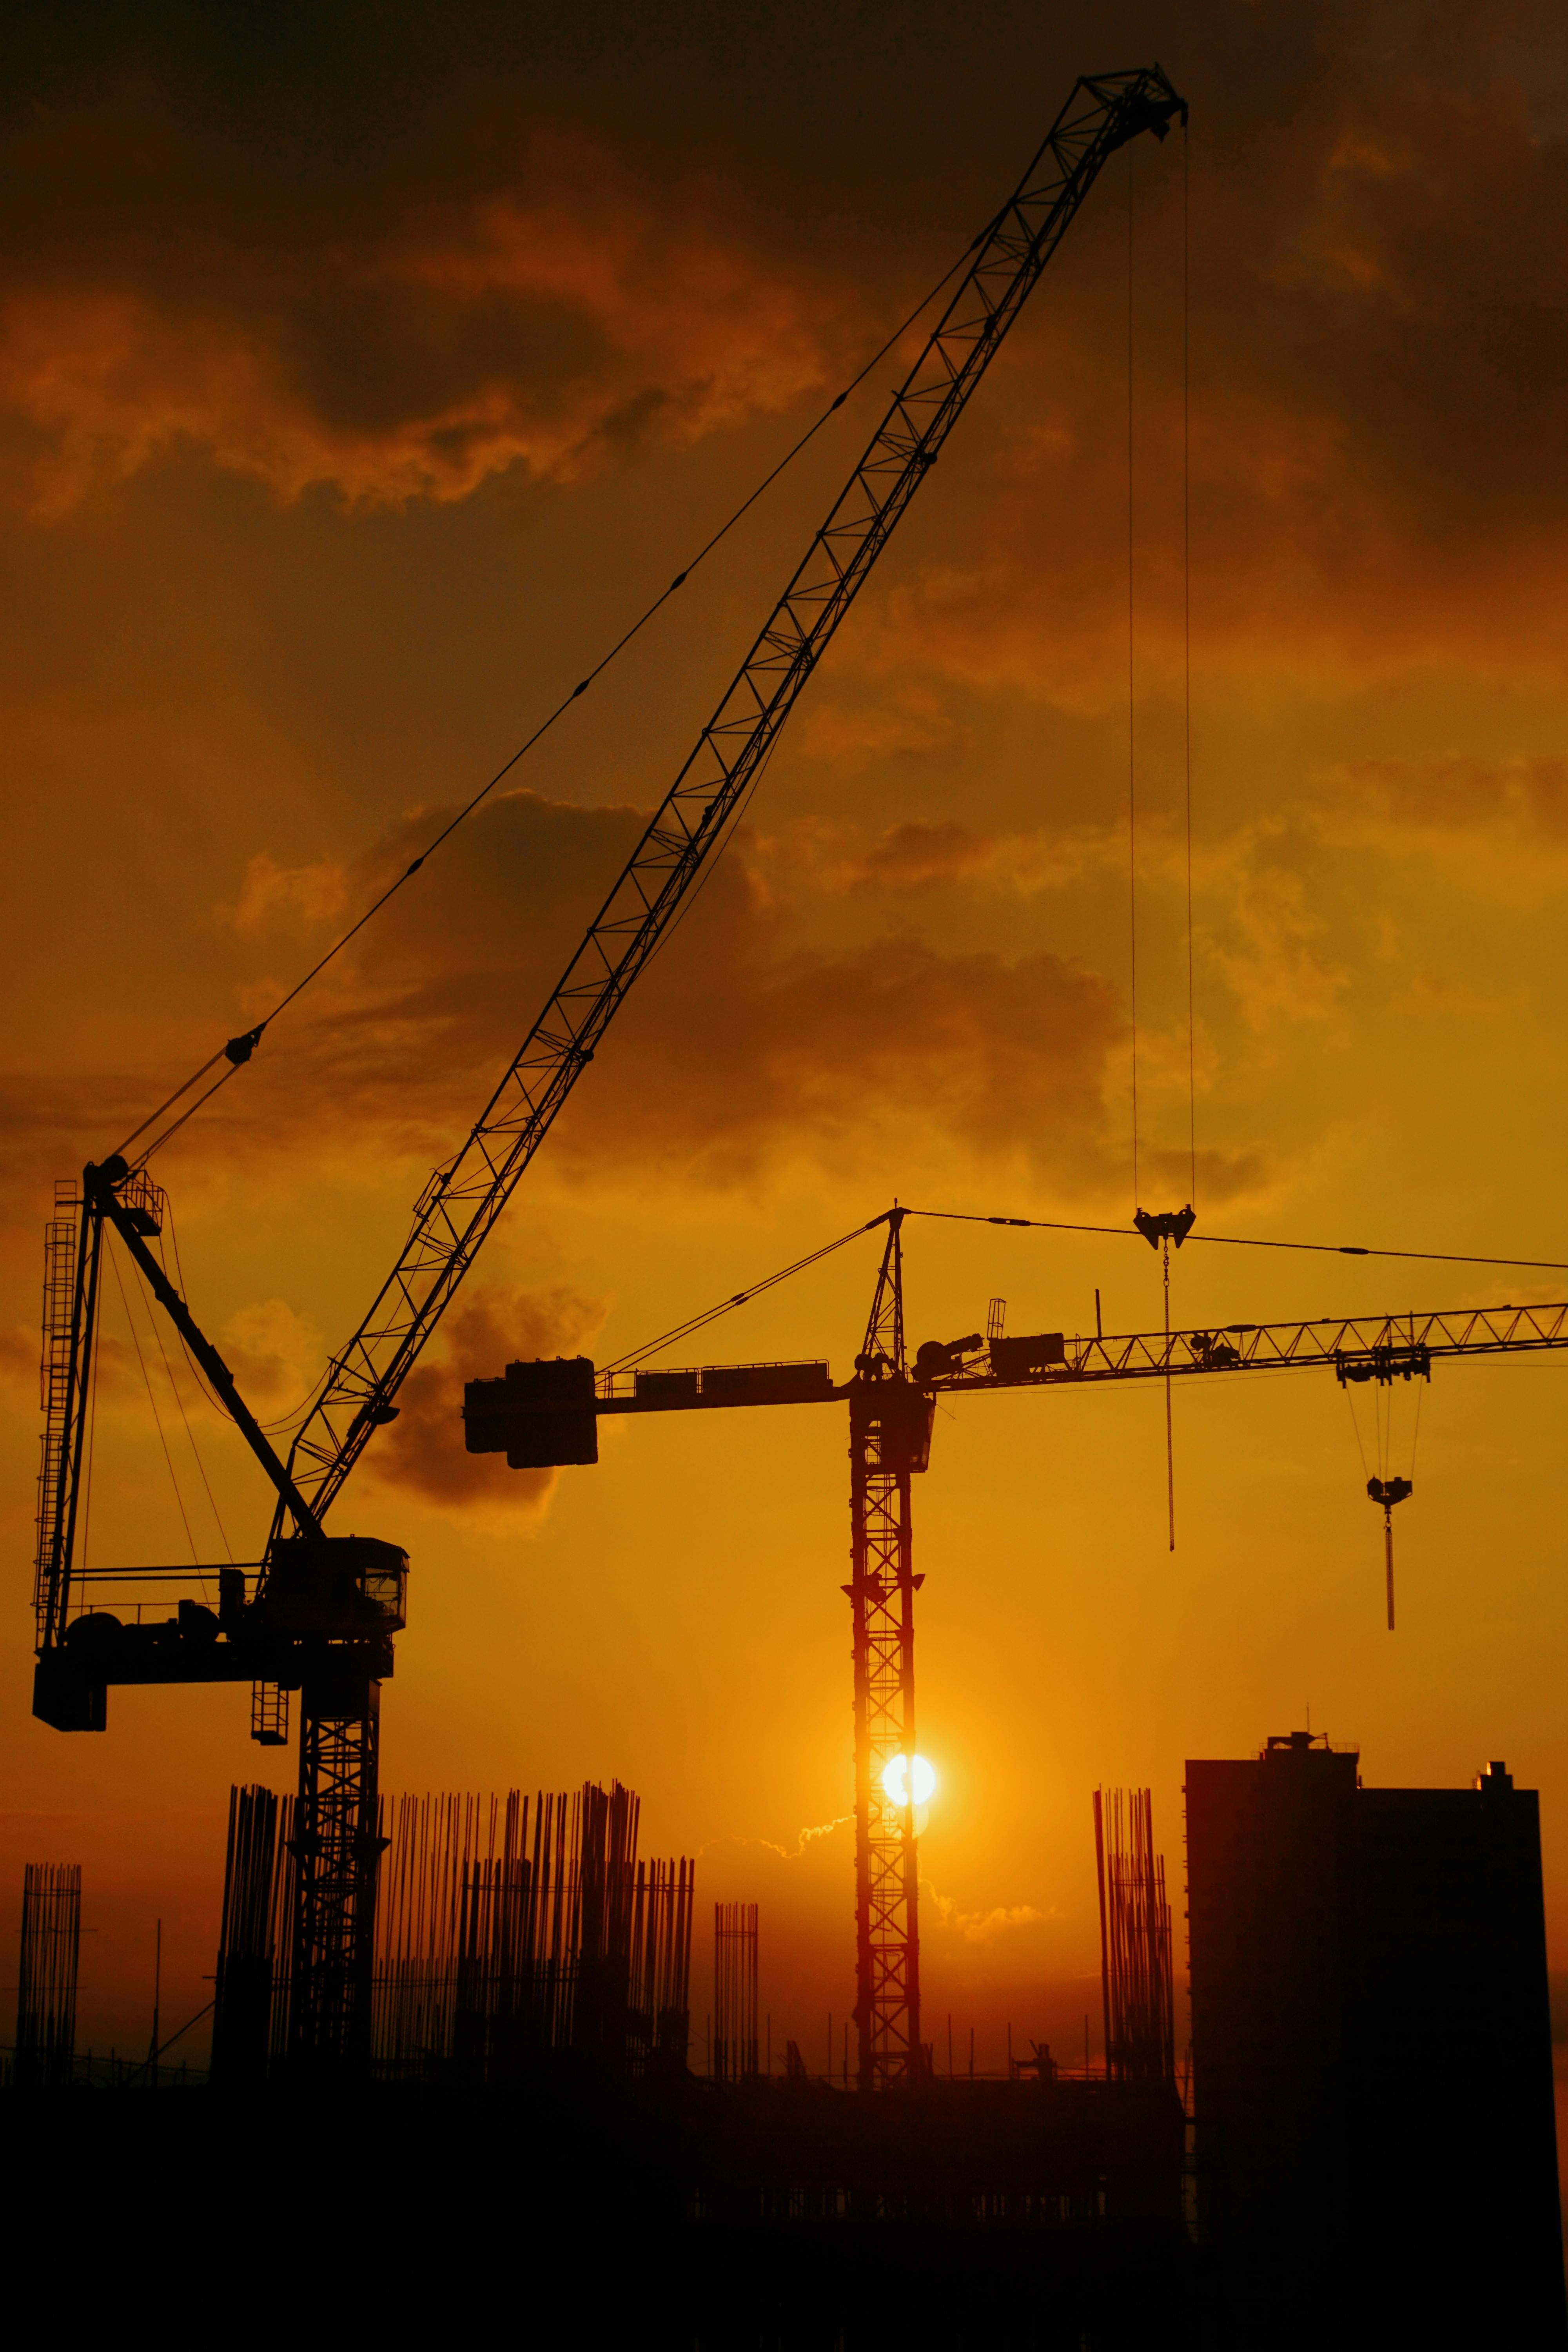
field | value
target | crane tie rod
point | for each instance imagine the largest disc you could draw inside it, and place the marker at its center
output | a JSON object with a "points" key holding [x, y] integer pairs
{"points": [[740, 1299], [1250, 1241], [238, 1050]]}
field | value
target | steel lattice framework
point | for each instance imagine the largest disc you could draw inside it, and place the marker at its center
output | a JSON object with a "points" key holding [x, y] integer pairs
{"points": [[889, 1436], [337, 1849], [465, 1195], [1358, 1348]]}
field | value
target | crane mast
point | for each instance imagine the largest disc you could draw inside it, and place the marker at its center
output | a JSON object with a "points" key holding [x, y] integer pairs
{"points": [[317, 1613], [889, 1440]]}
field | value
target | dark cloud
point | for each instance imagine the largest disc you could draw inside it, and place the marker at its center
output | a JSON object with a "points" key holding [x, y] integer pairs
{"points": [[399, 251], [542, 323], [909, 855], [1498, 826], [1525, 797], [742, 1049], [50, 1125], [423, 1453]]}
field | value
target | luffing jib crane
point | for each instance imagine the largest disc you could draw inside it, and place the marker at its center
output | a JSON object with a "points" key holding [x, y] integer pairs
{"points": [[547, 1414], [317, 1612]]}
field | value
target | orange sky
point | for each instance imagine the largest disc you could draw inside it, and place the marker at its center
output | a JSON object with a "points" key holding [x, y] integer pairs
{"points": [[358, 385]]}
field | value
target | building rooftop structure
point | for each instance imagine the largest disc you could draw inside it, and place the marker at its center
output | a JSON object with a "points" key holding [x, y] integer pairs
{"points": [[1371, 2047]]}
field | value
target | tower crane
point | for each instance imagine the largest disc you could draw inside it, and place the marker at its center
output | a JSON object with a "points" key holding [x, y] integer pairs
{"points": [[547, 1414], [318, 1612]]}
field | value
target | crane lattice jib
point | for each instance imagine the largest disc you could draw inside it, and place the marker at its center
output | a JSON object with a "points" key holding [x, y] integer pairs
{"points": [[464, 1198], [1357, 1347]]}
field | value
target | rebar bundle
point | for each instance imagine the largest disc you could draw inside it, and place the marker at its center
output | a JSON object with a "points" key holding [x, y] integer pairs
{"points": [[250, 2008], [477, 1929], [606, 1824], [47, 1975], [504, 1929], [1134, 1940], [504, 1926], [735, 1991]]}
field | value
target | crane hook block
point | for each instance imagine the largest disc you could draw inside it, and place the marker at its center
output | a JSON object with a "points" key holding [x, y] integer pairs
{"points": [[1166, 1225], [1389, 1491]]}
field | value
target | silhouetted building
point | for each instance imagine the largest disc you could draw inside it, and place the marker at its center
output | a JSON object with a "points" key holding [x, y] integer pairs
{"points": [[1372, 2053]]}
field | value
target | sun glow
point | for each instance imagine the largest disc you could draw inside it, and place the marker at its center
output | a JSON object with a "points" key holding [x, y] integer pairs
{"points": [[898, 1777]]}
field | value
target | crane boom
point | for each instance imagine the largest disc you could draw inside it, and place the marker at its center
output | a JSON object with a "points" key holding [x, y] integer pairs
{"points": [[465, 1196]]}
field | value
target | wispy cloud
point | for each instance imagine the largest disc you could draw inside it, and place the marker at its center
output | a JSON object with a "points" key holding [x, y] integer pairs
{"points": [[984, 1927], [806, 1839]]}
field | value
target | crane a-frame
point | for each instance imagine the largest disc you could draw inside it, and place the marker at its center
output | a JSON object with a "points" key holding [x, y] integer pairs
{"points": [[547, 1414], [318, 1613]]}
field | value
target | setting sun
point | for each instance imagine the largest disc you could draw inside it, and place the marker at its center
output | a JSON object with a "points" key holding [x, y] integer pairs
{"points": [[897, 1776]]}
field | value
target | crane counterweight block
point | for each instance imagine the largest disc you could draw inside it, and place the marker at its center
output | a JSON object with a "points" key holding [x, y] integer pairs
{"points": [[540, 1415]]}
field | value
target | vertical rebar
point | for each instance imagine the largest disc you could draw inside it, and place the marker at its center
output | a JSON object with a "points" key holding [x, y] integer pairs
{"points": [[47, 1975]]}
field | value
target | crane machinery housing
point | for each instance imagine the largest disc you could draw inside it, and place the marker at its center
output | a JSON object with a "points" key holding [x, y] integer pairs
{"points": [[318, 1613]]}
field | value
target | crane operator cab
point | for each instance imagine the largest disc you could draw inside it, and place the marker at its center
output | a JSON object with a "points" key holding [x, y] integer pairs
{"points": [[337, 1585]]}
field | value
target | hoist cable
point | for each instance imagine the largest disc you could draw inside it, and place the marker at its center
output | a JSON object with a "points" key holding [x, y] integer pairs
{"points": [[91, 1450], [268, 1428], [1187, 658], [1131, 718], [190, 1433], [1170, 1432], [157, 1422]]}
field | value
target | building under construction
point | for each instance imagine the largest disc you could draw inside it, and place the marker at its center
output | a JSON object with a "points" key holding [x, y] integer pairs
{"points": [[529, 2077]]}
